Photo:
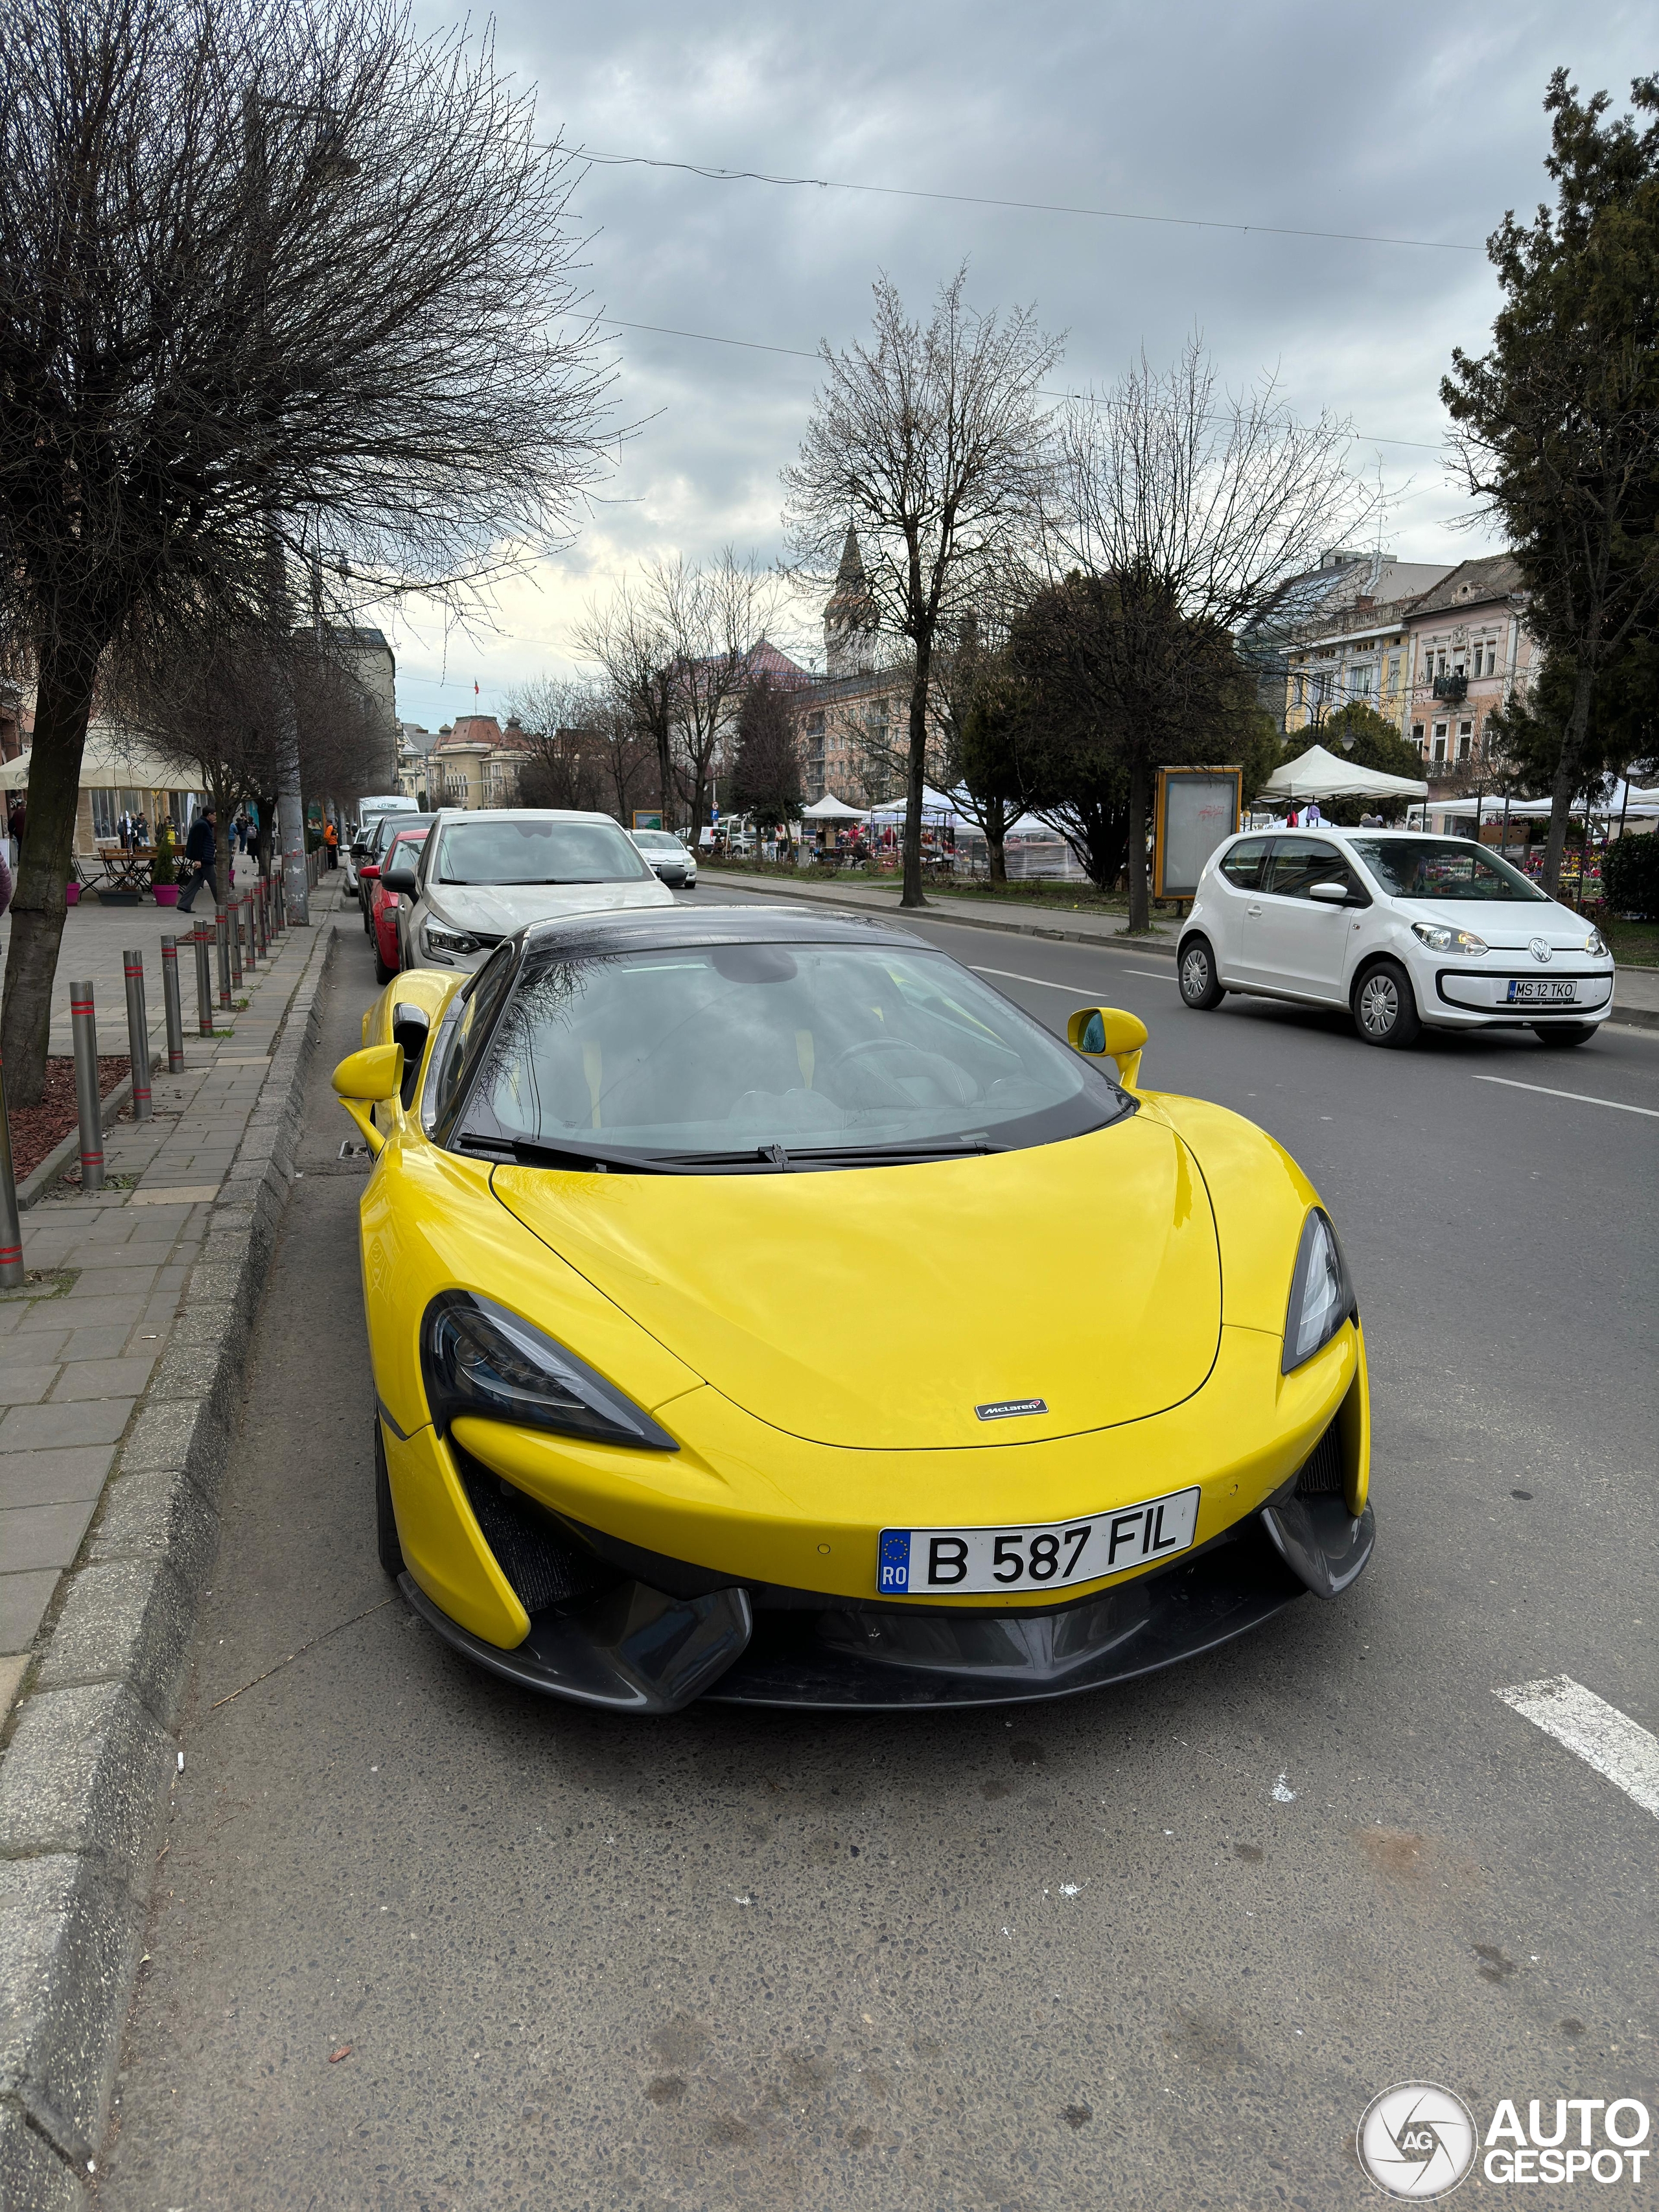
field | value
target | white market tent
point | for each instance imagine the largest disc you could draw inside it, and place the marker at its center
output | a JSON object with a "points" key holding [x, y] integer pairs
{"points": [[831, 809], [1319, 774]]}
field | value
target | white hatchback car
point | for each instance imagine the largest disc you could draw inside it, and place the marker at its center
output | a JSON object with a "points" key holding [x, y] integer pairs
{"points": [[1403, 930]]}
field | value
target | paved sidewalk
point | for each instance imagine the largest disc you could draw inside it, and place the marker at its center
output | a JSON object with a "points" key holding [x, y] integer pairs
{"points": [[77, 1352], [95, 937]]}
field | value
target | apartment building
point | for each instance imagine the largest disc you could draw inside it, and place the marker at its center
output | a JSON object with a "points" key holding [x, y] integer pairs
{"points": [[1470, 651]]}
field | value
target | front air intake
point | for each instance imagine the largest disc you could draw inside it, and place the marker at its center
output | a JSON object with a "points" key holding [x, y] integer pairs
{"points": [[529, 1546], [1321, 1475]]}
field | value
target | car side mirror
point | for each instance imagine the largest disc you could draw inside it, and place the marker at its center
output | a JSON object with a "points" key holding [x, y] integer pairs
{"points": [[1108, 1033], [370, 872], [401, 878], [368, 1078], [1329, 893]]}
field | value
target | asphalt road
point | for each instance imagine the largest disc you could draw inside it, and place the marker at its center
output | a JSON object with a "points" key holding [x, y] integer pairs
{"points": [[1155, 1948]]}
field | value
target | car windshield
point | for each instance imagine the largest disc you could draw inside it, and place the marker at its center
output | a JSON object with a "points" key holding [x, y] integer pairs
{"points": [[792, 1055], [513, 849], [389, 826], [1444, 868], [657, 841]]}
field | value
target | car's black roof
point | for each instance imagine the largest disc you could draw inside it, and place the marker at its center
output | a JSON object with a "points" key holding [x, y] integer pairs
{"points": [[661, 928]]}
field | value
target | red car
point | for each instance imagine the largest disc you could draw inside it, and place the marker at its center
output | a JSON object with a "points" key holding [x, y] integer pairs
{"points": [[383, 904]]}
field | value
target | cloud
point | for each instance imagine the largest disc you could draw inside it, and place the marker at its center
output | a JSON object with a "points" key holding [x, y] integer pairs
{"points": [[1424, 123]]}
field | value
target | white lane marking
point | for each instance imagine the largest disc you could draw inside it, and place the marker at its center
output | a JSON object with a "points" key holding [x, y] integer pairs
{"points": [[1157, 974], [1582, 1097], [1042, 982], [1603, 1737]]}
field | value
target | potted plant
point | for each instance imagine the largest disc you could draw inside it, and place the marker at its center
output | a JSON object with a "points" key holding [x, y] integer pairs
{"points": [[164, 869]]}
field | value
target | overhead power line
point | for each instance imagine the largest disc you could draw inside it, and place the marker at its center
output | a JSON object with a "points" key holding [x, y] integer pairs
{"points": [[1025, 207], [798, 353]]}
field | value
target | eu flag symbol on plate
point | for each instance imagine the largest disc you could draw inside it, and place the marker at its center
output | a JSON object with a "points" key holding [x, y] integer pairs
{"points": [[894, 1563]]}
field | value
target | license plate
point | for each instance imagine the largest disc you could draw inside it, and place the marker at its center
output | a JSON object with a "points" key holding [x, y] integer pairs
{"points": [[977, 1562], [1533, 994]]}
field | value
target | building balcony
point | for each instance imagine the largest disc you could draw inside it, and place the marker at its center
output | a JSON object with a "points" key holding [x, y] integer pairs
{"points": [[1452, 690]]}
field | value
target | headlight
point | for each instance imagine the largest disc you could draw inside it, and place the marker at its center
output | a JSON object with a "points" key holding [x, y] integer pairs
{"points": [[439, 939], [1321, 1298], [1597, 946], [1450, 940], [476, 1358]]}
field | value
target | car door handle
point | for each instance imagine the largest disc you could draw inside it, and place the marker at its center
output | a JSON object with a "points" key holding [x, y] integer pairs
{"points": [[1252, 909]]}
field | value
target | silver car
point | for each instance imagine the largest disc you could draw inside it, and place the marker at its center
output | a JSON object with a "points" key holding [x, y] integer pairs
{"points": [[671, 861], [482, 875]]}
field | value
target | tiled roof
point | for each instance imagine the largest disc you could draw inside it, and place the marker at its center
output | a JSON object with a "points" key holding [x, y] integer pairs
{"points": [[1472, 583]]}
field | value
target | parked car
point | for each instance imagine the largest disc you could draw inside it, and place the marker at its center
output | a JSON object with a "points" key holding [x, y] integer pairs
{"points": [[1408, 931], [484, 875], [671, 861], [617, 1458], [381, 832], [371, 811], [387, 902]]}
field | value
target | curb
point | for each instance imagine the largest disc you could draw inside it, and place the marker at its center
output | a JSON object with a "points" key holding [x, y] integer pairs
{"points": [[83, 1784], [1007, 924]]}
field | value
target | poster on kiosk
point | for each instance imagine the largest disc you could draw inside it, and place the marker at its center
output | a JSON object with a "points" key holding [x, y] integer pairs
{"points": [[1193, 809]]}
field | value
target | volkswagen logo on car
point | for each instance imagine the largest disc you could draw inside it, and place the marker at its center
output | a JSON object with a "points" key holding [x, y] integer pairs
{"points": [[1541, 951], [1416, 2140]]}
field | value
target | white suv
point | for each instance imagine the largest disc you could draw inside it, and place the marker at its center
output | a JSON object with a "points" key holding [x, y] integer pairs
{"points": [[1403, 930]]}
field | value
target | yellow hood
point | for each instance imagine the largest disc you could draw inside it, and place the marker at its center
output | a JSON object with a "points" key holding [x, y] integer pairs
{"points": [[878, 1307]]}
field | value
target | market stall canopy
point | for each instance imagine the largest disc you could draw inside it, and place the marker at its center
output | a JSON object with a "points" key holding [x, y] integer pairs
{"points": [[831, 808], [15, 773], [1319, 774]]}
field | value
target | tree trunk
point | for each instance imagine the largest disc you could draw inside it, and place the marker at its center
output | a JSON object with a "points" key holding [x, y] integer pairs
{"points": [[664, 777], [63, 708], [996, 828], [1139, 907], [1567, 777], [915, 773]]}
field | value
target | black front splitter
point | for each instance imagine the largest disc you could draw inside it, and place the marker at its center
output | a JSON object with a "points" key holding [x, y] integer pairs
{"points": [[894, 1660]]}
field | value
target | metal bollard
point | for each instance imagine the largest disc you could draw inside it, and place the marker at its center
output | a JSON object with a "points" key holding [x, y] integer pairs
{"points": [[222, 941], [250, 950], [137, 1035], [279, 891], [84, 1022], [256, 917], [171, 1006], [202, 937], [234, 931], [11, 1235]]}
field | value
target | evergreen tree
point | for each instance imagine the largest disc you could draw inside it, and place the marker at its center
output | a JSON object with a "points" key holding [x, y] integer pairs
{"points": [[1560, 421]]}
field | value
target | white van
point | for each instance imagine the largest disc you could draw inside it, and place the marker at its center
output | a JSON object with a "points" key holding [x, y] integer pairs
{"points": [[369, 811]]}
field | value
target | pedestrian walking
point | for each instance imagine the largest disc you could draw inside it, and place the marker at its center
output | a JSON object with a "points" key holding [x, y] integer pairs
{"points": [[331, 839], [201, 852]]}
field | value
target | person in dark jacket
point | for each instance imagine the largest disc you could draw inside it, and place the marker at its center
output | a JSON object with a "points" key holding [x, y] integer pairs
{"points": [[201, 852]]}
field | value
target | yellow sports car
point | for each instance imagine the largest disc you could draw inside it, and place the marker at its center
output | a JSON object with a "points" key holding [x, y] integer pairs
{"points": [[763, 1309]]}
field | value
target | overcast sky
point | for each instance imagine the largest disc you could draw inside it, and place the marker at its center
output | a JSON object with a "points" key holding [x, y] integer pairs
{"points": [[1416, 122]]}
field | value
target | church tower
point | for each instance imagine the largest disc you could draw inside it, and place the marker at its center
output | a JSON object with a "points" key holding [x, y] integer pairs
{"points": [[849, 618]]}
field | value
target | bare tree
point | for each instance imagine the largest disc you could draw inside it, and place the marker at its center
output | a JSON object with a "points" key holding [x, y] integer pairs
{"points": [[268, 269], [1190, 505], [930, 441], [715, 615], [628, 640]]}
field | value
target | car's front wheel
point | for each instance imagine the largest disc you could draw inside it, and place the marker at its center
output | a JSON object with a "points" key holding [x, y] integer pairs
{"points": [[385, 1520], [1198, 985], [1564, 1033], [1384, 1006]]}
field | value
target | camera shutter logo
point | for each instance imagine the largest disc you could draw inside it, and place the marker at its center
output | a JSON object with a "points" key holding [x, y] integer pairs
{"points": [[1417, 2141]]}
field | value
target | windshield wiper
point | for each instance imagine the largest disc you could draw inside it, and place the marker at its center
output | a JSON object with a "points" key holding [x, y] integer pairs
{"points": [[533, 1152]]}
